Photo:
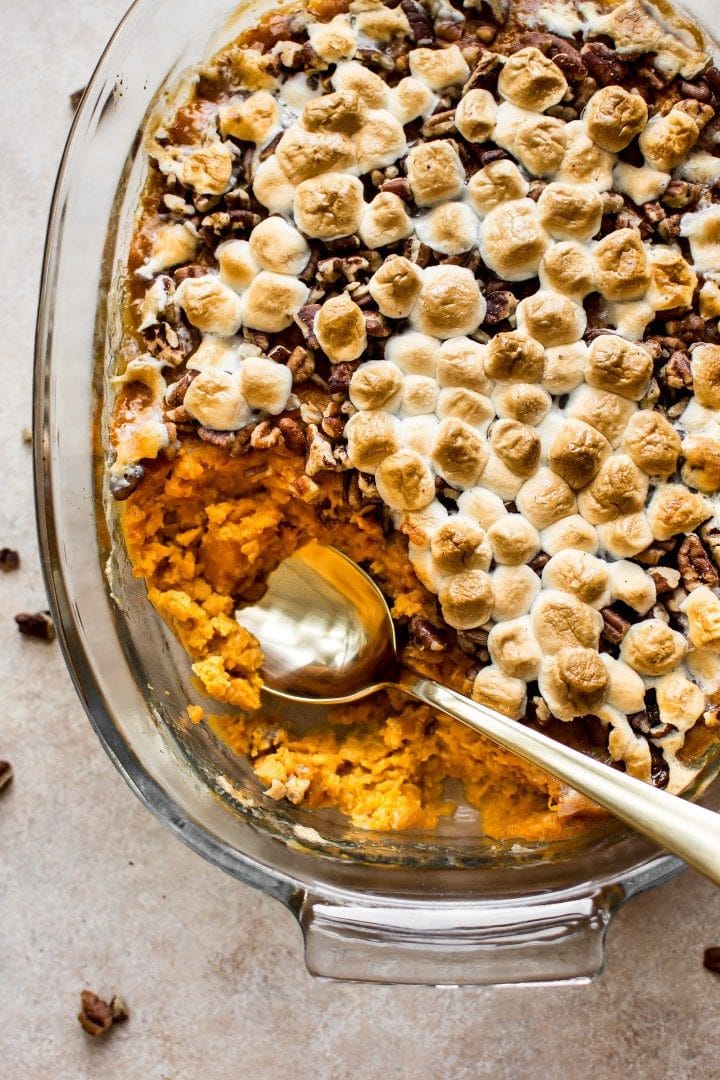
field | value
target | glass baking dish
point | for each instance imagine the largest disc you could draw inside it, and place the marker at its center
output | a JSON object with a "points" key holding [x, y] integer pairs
{"points": [[445, 908]]}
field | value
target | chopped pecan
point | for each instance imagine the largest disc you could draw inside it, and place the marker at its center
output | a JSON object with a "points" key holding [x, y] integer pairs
{"points": [[399, 186], [301, 363], [375, 58], [376, 325], [344, 245], [666, 579], [689, 329], [305, 319], [292, 434], [417, 252], [652, 555], [712, 78], [426, 636], [695, 566], [9, 559], [280, 354], [615, 627], [171, 344], [306, 489], [265, 436], [679, 194], [6, 774], [474, 643], [214, 226], [237, 199], [175, 394], [538, 563], [677, 373], [711, 538], [190, 271], [484, 74], [96, 1016], [122, 487], [500, 306], [320, 455], [339, 379], [603, 63], [421, 27], [440, 123], [224, 440], [449, 24]]}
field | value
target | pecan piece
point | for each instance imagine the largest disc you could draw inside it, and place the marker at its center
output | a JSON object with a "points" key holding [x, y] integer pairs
{"points": [[301, 363], [292, 434], [695, 566], [615, 627], [265, 436], [175, 394], [122, 487], [426, 636], [9, 560], [602, 63], [666, 579], [96, 1016], [440, 123], [339, 380], [224, 440], [36, 624], [305, 319], [399, 186], [421, 28], [677, 373], [6, 774], [680, 194]]}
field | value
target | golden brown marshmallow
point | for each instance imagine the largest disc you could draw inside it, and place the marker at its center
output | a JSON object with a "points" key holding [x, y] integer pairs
{"points": [[304, 154], [564, 367], [460, 544], [701, 465], [574, 682], [384, 221], [613, 117], [410, 99], [514, 649], [702, 229], [584, 162], [330, 206], [256, 119], [333, 41], [545, 498], [619, 488], [570, 212], [626, 691], [395, 286], [578, 573], [701, 607], [381, 23], [496, 477], [571, 532], [652, 443], [514, 357], [568, 268], [340, 329], [607, 412], [371, 437], [539, 144], [208, 170], [435, 172], [512, 242], [466, 599], [449, 303], [461, 363], [271, 300], [642, 185], [576, 453], [497, 690], [414, 353], [667, 139], [673, 509], [622, 265], [652, 648], [620, 366], [420, 395], [237, 264], [458, 453], [710, 300], [369, 87], [467, 405], [450, 228], [209, 305], [276, 245], [475, 115], [705, 364], [560, 619], [631, 584], [672, 280], [516, 589], [265, 385], [418, 432], [174, 243], [518, 445], [405, 481], [376, 385], [551, 318], [439, 68], [522, 401], [496, 183], [272, 188], [626, 536], [482, 506], [513, 540], [214, 398], [340, 111], [380, 141], [532, 81], [680, 702]]}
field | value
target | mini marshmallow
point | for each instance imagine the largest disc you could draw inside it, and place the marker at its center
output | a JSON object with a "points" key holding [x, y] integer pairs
{"points": [[514, 540], [515, 588], [340, 329], [496, 477], [581, 574], [450, 228], [461, 363], [496, 183], [380, 141], [492, 687], [256, 119], [384, 221], [576, 452], [545, 498], [574, 682], [449, 303], [522, 401], [631, 584], [518, 446], [673, 509], [237, 265], [330, 206], [642, 184], [626, 536], [564, 367], [265, 385], [619, 366], [460, 544], [208, 169], [622, 265], [571, 532], [435, 172], [652, 443], [371, 437], [405, 481], [376, 385], [209, 305], [439, 68], [561, 619], [333, 41], [395, 286], [414, 353], [214, 398], [513, 647], [618, 488], [701, 607], [652, 648], [271, 300], [570, 212], [626, 690], [532, 81], [484, 506], [613, 117], [420, 395], [418, 432], [467, 405], [607, 412], [584, 162], [277, 246], [369, 87], [458, 453], [512, 241], [271, 187], [411, 99], [303, 154], [475, 115], [551, 318], [172, 244], [672, 280]]}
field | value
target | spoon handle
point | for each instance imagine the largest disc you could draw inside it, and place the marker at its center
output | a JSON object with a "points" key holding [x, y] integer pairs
{"points": [[687, 830]]}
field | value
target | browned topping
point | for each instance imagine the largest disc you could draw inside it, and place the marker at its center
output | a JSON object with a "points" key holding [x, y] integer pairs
{"points": [[38, 625], [695, 565], [96, 1016], [615, 627], [9, 559]]}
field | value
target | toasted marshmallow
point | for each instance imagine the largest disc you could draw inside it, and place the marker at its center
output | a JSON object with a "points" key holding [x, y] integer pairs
{"points": [[209, 305], [237, 264], [483, 506], [418, 432], [492, 687], [522, 401], [208, 169], [673, 509], [215, 399], [461, 363], [333, 41], [568, 268], [514, 357], [512, 241], [512, 646], [700, 168], [449, 304], [560, 619], [330, 206], [380, 23], [539, 144], [545, 498], [376, 385], [532, 81], [265, 385], [419, 397], [497, 182], [475, 115], [156, 301], [369, 87], [652, 443], [439, 68], [276, 245], [629, 319], [701, 467], [304, 154], [371, 436], [460, 544], [579, 573], [255, 120], [564, 367], [435, 172], [570, 212], [517, 445], [450, 228], [613, 117], [619, 488], [384, 221], [620, 366], [395, 286], [414, 353], [607, 412], [341, 112], [622, 265], [701, 607], [705, 362], [652, 648], [216, 352], [626, 689], [577, 451], [513, 540], [571, 532], [411, 99], [340, 329], [672, 280], [405, 481], [631, 584], [458, 453], [668, 139], [172, 244], [642, 185], [516, 588], [680, 702], [626, 536], [551, 318], [574, 682], [496, 477], [419, 525], [475, 409], [272, 188], [380, 141], [271, 300], [584, 162], [710, 300]]}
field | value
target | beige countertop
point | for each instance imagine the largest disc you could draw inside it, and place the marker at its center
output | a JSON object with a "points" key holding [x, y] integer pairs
{"points": [[93, 892]]}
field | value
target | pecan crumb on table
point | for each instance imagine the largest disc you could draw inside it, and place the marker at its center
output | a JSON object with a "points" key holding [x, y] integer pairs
{"points": [[97, 1016], [6, 774], [9, 559], [37, 624]]}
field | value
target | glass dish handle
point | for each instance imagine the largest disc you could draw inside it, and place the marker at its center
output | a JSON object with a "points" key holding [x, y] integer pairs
{"points": [[537, 939]]}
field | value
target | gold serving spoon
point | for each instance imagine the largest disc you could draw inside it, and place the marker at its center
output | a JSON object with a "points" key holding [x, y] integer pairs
{"points": [[329, 639]]}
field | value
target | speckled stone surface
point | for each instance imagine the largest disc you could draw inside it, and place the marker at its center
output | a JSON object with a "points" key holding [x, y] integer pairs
{"points": [[93, 892]]}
